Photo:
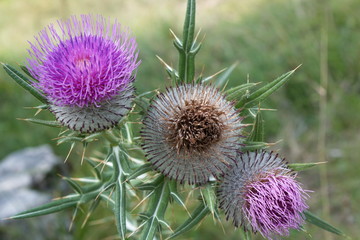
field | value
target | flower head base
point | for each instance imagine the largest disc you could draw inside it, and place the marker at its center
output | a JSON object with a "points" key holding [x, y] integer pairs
{"points": [[84, 69], [195, 126], [261, 194], [191, 132], [95, 118]]}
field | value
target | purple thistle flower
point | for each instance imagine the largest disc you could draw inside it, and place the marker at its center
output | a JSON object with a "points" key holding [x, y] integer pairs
{"points": [[260, 193], [85, 71], [191, 132]]}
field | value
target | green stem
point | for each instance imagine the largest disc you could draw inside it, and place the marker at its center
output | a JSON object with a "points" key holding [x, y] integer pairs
{"points": [[119, 176], [157, 207], [160, 199], [186, 55], [323, 117], [120, 206]]}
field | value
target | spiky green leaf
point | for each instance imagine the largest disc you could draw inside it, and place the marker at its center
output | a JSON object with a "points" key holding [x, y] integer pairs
{"points": [[173, 74], [252, 146], [209, 197], [150, 185], [42, 106], [69, 139], [245, 234], [157, 207], [177, 41], [27, 72], [257, 133], [24, 82], [311, 218], [140, 170], [52, 207], [74, 185], [120, 206], [95, 168], [42, 122], [90, 211], [224, 76], [121, 171], [92, 137], [175, 195], [150, 229], [235, 93], [199, 214], [121, 159], [303, 166], [262, 93]]}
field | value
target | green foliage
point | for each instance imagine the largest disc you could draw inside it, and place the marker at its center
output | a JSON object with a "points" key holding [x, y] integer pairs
{"points": [[253, 146], [26, 70], [257, 133], [24, 82], [200, 212], [245, 235], [52, 207], [188, 47], [209, 197], [223, 77], [140, 170], [236, 93], [262, 93], [121, 170], [311, 218], [43, 122], [157, 208], [302, 166]]}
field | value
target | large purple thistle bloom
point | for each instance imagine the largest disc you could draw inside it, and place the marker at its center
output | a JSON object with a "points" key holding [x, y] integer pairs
{"points": [[85, 69], [261, 194]]}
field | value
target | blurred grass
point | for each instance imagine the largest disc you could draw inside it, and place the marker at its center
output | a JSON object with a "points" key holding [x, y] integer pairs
{"points": [[267, 38]]}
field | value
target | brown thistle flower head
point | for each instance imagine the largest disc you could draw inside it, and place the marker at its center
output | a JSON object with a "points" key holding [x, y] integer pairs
{"points": [[191, 132]]}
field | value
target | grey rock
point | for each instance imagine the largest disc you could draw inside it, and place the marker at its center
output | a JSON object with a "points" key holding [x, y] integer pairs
{"points": [[18, 171], [31, 161], [19, 200]]}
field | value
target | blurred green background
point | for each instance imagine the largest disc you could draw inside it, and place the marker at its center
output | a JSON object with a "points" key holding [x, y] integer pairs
{"points": [[266, 38]]}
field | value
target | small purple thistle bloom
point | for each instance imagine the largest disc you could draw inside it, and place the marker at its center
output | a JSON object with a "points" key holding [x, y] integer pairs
{"points": [[261, 194], [84, 69], [273, 204]]}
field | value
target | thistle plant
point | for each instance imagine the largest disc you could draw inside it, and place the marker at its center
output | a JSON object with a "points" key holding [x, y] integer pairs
{"points": [[197, 136]]}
